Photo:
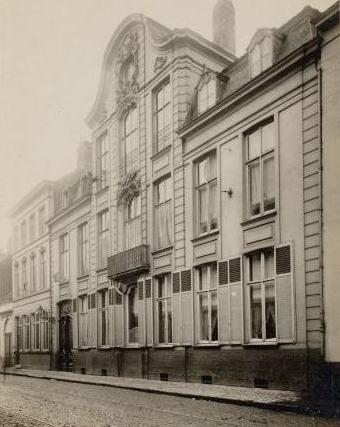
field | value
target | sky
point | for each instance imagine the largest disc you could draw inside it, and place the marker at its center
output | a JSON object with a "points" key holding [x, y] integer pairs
{"points": [[51, 54]]}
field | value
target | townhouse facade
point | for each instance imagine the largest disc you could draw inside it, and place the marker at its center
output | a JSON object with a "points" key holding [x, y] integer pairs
{"points": [[198, 243], [7, 335], [32, 304]]}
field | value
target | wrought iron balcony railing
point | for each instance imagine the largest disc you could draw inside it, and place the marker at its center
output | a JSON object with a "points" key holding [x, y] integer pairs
{"points": [[129, 262]]}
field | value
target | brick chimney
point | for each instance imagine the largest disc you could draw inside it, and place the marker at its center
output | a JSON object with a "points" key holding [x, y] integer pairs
{"points": [[224, 25]]}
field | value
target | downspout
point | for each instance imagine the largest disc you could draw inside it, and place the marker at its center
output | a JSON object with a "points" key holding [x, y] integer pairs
{"points": [[322, 312]]}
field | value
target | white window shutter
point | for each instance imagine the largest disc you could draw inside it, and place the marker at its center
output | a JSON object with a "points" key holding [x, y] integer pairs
{"points": [[284, 293]]}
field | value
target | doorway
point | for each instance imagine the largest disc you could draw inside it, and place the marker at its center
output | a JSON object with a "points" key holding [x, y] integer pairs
{"points": [[65, 359], [8, 349]]}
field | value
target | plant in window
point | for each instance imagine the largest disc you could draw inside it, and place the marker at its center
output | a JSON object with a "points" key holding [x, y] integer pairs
{"points": [[129, 187], [261, 170]]}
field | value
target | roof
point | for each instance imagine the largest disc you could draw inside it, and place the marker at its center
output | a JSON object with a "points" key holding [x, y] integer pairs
{"points": [[295, 33]]}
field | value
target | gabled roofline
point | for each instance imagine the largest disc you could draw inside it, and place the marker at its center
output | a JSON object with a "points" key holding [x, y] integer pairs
{"points": [[167, 38]]}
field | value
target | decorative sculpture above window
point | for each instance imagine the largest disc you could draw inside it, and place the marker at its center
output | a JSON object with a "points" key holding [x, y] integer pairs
{"points": [[129, 187], [127, 72]]}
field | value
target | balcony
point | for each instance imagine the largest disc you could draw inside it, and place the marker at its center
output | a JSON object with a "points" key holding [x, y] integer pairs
{"points": [[129, 263]]}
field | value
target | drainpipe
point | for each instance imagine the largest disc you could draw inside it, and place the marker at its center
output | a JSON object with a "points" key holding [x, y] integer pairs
{"points": [[322, 331]]}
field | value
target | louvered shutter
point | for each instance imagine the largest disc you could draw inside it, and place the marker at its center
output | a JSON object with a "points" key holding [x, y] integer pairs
{"points": [[284, 293], [119, 320], [236, 300], [223, 302], [148, 312], [176, 308], [141, 313], [75, 323], [187, 307]]}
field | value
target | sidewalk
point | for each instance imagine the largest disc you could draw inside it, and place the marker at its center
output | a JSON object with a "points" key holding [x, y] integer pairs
{"points": [[260, 398]]}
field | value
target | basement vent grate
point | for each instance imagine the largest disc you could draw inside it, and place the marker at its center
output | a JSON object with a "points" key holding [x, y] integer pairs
{"points": [[83, 371], [260, 383], [164, 376], [206, 379], [104, 372]]}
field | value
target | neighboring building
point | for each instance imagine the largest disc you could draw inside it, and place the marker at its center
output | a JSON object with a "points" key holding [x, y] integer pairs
{"points": [[6, 312], [202, 246], [31, 276], [70, 253]]}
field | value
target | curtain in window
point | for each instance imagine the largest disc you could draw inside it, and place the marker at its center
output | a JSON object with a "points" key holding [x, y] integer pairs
{"points": [[204, 317], [203, 209], [268, 184], [254, 184], [163, 225], [256, 312]]}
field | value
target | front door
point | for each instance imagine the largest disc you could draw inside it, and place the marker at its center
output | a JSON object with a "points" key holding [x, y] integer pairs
{"points": [[65, 362], [8, 349]]}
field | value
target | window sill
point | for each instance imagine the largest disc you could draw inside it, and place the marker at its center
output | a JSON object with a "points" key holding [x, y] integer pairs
{"points": [[205, 235], [261, 344], [207, 344], [84, 348], [83, 277], [164, 346], [132, 346], [161, 152], [101, 270], [160, 250], [264, 216], [64, 282], [105, 347]]}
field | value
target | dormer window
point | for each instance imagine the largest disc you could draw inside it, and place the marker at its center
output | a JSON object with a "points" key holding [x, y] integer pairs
{"points": [[261, 56], [206, 96]]}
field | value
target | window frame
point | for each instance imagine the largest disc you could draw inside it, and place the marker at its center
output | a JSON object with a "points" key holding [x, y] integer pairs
{"points": [[205, 87], [260, 159], [208, 291], [262, 282], [103, 160], [163, 135], [103, 237], [263, 55], [33, 273], [129, 161], [43, 268], [134, 223], [210, 181], [83, 249], [127, 299], [160, 205], [24, 276], [42, 220], [83, 337], [166, 298], [103, 339], [64, 257]]}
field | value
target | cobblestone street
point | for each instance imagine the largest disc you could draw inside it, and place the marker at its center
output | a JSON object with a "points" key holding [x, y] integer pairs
{"points": [[33, 402]]}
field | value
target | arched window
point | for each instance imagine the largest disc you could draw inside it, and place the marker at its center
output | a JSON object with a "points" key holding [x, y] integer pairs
{"points": [[130, 149]]}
